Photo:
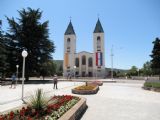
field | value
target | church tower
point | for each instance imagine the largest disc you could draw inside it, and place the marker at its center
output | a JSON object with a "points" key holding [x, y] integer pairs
{"points": [[99, 53], [69, 49]]}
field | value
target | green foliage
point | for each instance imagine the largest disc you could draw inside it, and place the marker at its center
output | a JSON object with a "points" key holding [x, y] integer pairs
{"points": [[152, 84], [146, 70], [155, 62], [38, 101], [30, 34], [3, 53], [121, 74], [48, 68], [156, 85], [133, 71], [59, 67], [147, 84]]}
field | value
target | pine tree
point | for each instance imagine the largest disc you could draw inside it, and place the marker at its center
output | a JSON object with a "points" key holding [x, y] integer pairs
{"points": [[28, 33], [3, 53], [155, 62], [147, 69]]}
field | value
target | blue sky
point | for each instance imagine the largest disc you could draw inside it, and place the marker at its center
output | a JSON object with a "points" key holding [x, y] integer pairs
{"points": [[129, 25]]}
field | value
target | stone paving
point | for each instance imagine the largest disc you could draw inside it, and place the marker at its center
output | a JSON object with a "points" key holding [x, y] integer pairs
{"points": [[124, 100]]}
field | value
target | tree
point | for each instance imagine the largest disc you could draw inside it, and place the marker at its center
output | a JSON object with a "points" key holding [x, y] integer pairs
{"points": [[3, 53], [155, 62], [146, 70], [133, 71], [28, 33], [120, 74], [48, 69]]}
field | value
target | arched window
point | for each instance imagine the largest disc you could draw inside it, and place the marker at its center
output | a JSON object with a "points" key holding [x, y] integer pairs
{"points": [[68, 45], [77, 62], [83, 60], [68, 42], [90, 62], [98, 43]]}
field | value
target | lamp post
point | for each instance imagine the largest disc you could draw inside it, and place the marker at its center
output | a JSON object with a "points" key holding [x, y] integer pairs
{"points": [[17, 66], [24, 55], [74, 74], [112, 62]]}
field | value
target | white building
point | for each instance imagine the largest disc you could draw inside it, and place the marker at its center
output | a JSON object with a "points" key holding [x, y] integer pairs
{"points": [[84, 63]]}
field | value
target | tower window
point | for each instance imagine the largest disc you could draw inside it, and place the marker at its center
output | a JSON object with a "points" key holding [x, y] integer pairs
{"points": [[98, 43], [68, 42], [68, 49], [68, 67], [98, 38]]}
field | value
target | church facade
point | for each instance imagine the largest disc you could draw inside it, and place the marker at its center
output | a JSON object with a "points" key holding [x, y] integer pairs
{"points": [[84, 64]]}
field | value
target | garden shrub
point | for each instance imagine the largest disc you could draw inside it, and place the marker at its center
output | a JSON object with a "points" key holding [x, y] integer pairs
{"points": [[39, 100], [156, 84], [147, 84], [152, 84]]}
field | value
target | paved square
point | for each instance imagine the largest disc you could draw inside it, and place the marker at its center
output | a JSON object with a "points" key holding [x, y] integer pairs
{"points": [[114, 101]]}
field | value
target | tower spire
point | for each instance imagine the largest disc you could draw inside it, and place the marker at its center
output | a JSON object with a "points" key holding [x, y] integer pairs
{"points": [[98, 28], [70, 29]]}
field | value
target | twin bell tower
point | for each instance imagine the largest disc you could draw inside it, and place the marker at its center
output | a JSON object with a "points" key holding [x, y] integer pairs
{"points": [[84, 64]]}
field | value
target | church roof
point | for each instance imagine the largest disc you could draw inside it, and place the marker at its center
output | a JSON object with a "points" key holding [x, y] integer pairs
{"points": [[83, 52], [98, 28], [70, 30]]}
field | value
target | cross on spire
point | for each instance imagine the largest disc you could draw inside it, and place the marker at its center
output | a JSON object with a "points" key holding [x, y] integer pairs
{"points": [[98, 15], [70, 18]]}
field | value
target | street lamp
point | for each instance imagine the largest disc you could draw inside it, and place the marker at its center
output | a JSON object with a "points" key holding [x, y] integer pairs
{"points": [[24, 55], [17, 66], [112, 62]]}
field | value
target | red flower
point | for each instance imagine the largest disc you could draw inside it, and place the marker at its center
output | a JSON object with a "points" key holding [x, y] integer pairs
{"points": [[1, 117], [29, 118], [22, 112], [11, 115]]}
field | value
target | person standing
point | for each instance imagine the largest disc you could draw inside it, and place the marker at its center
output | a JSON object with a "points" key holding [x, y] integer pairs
{"points": [[13, 80], [55, 81]]}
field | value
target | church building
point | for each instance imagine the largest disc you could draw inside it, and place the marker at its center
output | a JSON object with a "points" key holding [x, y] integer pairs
{"points": [[84, 64]]}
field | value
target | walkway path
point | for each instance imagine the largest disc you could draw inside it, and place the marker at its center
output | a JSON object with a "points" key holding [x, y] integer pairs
{"points": [[123, 101]]}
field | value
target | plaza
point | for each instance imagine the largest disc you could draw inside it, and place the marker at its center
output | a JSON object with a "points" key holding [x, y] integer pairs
{"points": [[121, 100]]}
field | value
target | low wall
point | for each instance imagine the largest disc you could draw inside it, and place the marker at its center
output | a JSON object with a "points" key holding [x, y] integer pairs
{"points": [[86, 92], [144, 78], [74, 113]]}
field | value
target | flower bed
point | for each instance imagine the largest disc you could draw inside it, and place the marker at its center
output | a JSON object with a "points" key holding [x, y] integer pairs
{"points": [[56, 107], [84, 87], [89, 89]]}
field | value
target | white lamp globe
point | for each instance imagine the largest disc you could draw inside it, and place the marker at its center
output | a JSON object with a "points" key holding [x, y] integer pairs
{"points": [[17, 66], [24, 53]]}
